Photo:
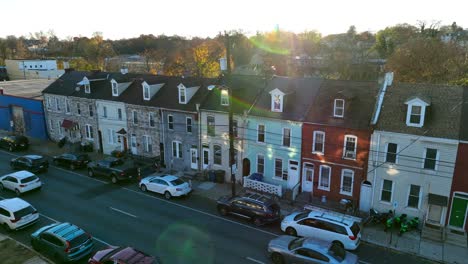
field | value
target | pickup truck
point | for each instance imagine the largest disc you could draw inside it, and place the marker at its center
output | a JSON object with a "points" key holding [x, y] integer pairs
{"points": [[114, 168]]}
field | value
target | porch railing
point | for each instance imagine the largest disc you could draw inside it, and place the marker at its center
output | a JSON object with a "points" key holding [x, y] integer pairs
{"points": [[295, 191], [263, 186]]}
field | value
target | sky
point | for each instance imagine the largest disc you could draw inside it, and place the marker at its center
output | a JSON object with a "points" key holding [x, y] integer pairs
{"points": [[206, 18]]}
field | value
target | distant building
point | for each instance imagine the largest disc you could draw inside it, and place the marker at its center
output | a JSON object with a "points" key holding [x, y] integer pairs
{"points": [[21, 104], [33, 69]]}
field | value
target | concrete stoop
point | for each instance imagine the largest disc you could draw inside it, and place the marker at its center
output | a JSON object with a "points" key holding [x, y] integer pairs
{"points": [[456, 238], [433, 233]]}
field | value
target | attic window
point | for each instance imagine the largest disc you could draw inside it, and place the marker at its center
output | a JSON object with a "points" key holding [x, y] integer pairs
{"points": [[87, 88], [277, 104], [182, 96], [416, 112], [224, 97], [338, 109], [115, 90], [146, 92]]}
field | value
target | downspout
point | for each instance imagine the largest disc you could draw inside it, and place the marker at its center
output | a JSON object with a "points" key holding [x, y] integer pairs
{"points": [[162, 139], [200, 150], [375, 170]]}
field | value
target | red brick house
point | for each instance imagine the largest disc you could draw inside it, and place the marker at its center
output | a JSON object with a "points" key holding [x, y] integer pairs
{"points": [[335, 139]]}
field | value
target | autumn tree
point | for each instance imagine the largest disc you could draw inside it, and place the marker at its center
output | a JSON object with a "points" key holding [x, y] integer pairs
{"points": [[391, 38]]}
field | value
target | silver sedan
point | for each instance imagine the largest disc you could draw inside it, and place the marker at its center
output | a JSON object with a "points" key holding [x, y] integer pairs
{"points": [[289, 249]]}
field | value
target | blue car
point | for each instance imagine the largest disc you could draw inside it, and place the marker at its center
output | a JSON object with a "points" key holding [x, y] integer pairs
{"points": [[63, 242]]}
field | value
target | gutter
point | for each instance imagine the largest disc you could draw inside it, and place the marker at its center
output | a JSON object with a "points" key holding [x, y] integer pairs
{"points": [[388, 79]]}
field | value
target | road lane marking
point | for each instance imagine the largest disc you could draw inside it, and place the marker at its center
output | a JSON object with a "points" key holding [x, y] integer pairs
{"points": [[123, 212], [254, 260]]}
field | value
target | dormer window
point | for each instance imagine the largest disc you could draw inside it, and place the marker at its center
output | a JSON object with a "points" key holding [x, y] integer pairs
{"points": [[115, 90], [87, 88], [277, 100], [338, 108], [146, 92], [416, 112], [224, 97], [182, 96]]}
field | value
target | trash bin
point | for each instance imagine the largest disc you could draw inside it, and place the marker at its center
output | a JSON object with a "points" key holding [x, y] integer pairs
{"points": [[220, 174], [211, 176]]}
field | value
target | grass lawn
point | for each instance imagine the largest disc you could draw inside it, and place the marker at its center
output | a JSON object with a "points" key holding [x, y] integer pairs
{"points": [[13, 253]]}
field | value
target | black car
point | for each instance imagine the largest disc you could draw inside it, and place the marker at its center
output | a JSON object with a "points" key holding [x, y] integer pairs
{"points": [[114, 168], [71, 160], [32, 163], [261, 209], [12, 143]]}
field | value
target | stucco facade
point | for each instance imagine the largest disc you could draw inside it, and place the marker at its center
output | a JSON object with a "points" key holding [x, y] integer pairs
{"points": [[112, 118]]}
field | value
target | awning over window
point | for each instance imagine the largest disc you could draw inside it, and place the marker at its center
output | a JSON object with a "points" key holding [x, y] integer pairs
{"points": [[67, 124], [438, 199]]}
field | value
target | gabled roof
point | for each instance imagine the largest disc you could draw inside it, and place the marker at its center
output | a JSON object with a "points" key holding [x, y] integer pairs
{"points": [[360, 98], [244, 88], [300, 93], [443, 115]]}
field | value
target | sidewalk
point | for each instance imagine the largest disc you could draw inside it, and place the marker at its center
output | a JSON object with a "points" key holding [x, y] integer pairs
{"points": [[12, 252]]}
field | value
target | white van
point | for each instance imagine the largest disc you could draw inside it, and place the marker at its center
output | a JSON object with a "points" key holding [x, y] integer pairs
{"points": [[325, 226], [16, 214]]}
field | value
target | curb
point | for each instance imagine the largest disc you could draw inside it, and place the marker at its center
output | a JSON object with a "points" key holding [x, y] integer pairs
{"points": [[38, 259]]}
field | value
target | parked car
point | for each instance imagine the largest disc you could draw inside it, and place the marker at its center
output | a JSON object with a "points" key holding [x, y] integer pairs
{"points": [[114, 168], [259, 208], [72, 160], [325, 226], [122, 255], [32, 163], [289, 249], [13, 143], [16, 213], [169, 185], [20, 182], [64, 242]]}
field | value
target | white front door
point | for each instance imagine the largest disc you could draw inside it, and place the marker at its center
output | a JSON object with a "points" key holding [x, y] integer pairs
{"points": [[308, 177], [206, 157], [193, 158], [435, 213], [293, 173], [133, 143]]}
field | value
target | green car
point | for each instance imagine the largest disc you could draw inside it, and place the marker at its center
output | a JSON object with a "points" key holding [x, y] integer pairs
{"points": [[64, 242]]}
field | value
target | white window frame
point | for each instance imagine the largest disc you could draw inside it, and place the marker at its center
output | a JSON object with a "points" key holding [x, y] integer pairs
{"points": [[340, 108], [320, 187], [419, 197], [225, 97], [104, 111], [345, 156], [381, 191], [59, 128], [178, 149], [115, 88], [87, 88], [67, 106], [343, 171], [182, 95], [208, 125], [290, 137], [258, 133], [57, 104], [436, 163], [187, 124], [409, 111], [90, 110], [280, 98], [146, 92], [135, 117], [51, 125], [258, 158], [278, 177], [119, 114], [148, 143], [396, 154], [314, 150], [89, 132], [78, 109], [49, 103], [221, 155], [110, 133], [235, 128], [151, 117], [169, 122]]}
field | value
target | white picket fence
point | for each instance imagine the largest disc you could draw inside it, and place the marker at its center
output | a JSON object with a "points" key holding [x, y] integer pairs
{"points": [[263, 186]]}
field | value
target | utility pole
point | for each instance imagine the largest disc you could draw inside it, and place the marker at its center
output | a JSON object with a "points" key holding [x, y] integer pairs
{"points": [[231, 128]]}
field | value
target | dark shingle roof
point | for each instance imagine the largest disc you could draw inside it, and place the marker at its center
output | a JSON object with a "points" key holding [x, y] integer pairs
{"points": [[300, 93], [443, 115], [360, 99]]}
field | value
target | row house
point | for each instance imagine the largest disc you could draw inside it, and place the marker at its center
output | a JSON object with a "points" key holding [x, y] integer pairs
{"points": [[273, 141], [413, 150], [214, 119], [335, 139]]}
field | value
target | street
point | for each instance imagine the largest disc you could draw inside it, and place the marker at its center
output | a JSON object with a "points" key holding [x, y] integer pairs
{"points": [[185, 230]]}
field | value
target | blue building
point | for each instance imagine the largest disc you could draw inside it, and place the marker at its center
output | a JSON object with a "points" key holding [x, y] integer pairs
{"points": [[21, 107]]}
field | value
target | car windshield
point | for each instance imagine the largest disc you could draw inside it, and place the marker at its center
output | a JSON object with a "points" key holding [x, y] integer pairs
{"points": [[29, 179], [38, 161], [337, 252], [177, 182], [296, 243], [23, 212], [79, 240], [301, 215], [355, 229], [112, 252]]}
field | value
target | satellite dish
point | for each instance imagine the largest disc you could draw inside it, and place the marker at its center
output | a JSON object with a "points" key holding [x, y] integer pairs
{"points": [[77, 89]]}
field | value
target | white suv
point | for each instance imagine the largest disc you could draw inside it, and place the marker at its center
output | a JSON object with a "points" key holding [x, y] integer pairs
{"points": [[20, 182], [16, 214], [324, 226]]}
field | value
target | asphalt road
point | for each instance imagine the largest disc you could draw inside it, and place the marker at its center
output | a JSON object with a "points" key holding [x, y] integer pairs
{"points": [[186, 230]]}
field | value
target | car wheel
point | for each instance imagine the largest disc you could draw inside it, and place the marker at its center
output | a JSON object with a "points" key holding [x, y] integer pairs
{"points": [[57, 259], [114, 179], [6, 227], [18, 193], [222, 210], [1, 187], [143, 188], [90, 173], [167, 195], [338, 243], [291, 231], [277, 258], [257, 221], [34, 245], [72, 166]]}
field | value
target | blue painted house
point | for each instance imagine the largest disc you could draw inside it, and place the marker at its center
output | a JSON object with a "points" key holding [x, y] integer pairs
{"points": [[21, 107], [274, 131]]}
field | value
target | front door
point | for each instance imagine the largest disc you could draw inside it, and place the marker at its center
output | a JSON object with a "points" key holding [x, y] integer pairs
{"points": [[133, 143], [206, 157], [293, 173], [435, 213], [307, 177], [458, 213], [193, 158]]}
